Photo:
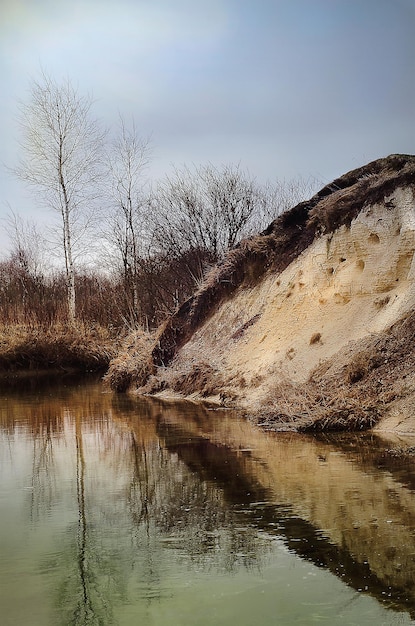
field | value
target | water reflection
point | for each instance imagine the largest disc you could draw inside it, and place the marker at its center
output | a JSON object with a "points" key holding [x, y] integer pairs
{"points": [[329, 497], [132, 499]]}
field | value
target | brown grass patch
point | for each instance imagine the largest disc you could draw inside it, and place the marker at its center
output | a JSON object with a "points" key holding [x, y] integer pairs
{"points": [[309, 407], [133, 365], [362, 364], [342, 200], [80, 346], [200, 378]]}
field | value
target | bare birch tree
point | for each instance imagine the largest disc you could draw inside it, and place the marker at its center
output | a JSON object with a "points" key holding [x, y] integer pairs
{"points": [[61, 152], [127, 158]]}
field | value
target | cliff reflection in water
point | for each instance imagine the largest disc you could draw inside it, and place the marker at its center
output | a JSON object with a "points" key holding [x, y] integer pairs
{"points": [[341, 501], [168, 478]]}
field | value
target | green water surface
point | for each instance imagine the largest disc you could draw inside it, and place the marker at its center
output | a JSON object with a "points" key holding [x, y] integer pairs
{"points": [[141, 512]]}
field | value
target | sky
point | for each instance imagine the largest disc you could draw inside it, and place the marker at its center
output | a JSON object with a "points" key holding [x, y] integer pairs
{"points": [[285, 88]]}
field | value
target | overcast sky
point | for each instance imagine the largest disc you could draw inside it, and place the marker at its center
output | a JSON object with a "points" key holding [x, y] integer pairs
{"points": [[286, 88]]}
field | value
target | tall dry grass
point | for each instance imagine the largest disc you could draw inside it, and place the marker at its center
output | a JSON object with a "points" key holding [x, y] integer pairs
{"points": [[34, 346], [311, 407], [133, 364]]}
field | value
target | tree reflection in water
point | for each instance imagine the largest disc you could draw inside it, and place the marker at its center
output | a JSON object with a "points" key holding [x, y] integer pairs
{"points": [[43, 487], [139, 488], [172, 509], [84, 595], [140, 502]]}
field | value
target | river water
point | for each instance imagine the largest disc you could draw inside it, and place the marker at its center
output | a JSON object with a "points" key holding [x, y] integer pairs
{"points": [[117, 510]]}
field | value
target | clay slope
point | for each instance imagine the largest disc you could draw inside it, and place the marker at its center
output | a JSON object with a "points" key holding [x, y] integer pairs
{"points": [[309, 324]]}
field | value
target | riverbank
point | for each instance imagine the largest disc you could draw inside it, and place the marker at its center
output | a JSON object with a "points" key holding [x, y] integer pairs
{"points": [[369, 384], [307, 326], [56, 347]]}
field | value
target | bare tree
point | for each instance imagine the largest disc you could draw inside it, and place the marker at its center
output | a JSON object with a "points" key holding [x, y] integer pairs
{"points": [[61, 147], [127, 159], [198, 213], [22, 283], [205, 209], [28, 243], [277, 197]]}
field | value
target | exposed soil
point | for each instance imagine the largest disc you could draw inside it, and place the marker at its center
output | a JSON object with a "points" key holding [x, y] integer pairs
{"points": [[308, 325]]}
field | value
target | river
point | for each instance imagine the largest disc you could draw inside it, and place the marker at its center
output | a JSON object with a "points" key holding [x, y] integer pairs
{"points": [[127, 511]]}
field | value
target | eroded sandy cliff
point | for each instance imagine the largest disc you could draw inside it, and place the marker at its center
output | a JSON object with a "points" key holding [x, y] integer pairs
{"points": [[309, 324]]}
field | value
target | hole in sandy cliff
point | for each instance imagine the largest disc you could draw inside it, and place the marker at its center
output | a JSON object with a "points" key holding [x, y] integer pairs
{"points": [[340, 298], [360, 265], [374, 238], [315, 338], [290, 354]]}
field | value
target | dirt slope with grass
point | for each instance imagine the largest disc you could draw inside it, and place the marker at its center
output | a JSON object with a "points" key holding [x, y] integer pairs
{"points": [[310, 324]]}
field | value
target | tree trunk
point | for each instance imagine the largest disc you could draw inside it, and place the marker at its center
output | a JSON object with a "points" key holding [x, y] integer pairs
{"points": [[67, 244]]}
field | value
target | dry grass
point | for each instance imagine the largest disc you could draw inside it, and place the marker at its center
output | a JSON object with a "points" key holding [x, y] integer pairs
{"points": [[350, 391], [133, 365], [340, 202], [309, 407], [200, 378], [192, 376], [361, 365], [82, 346]]}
